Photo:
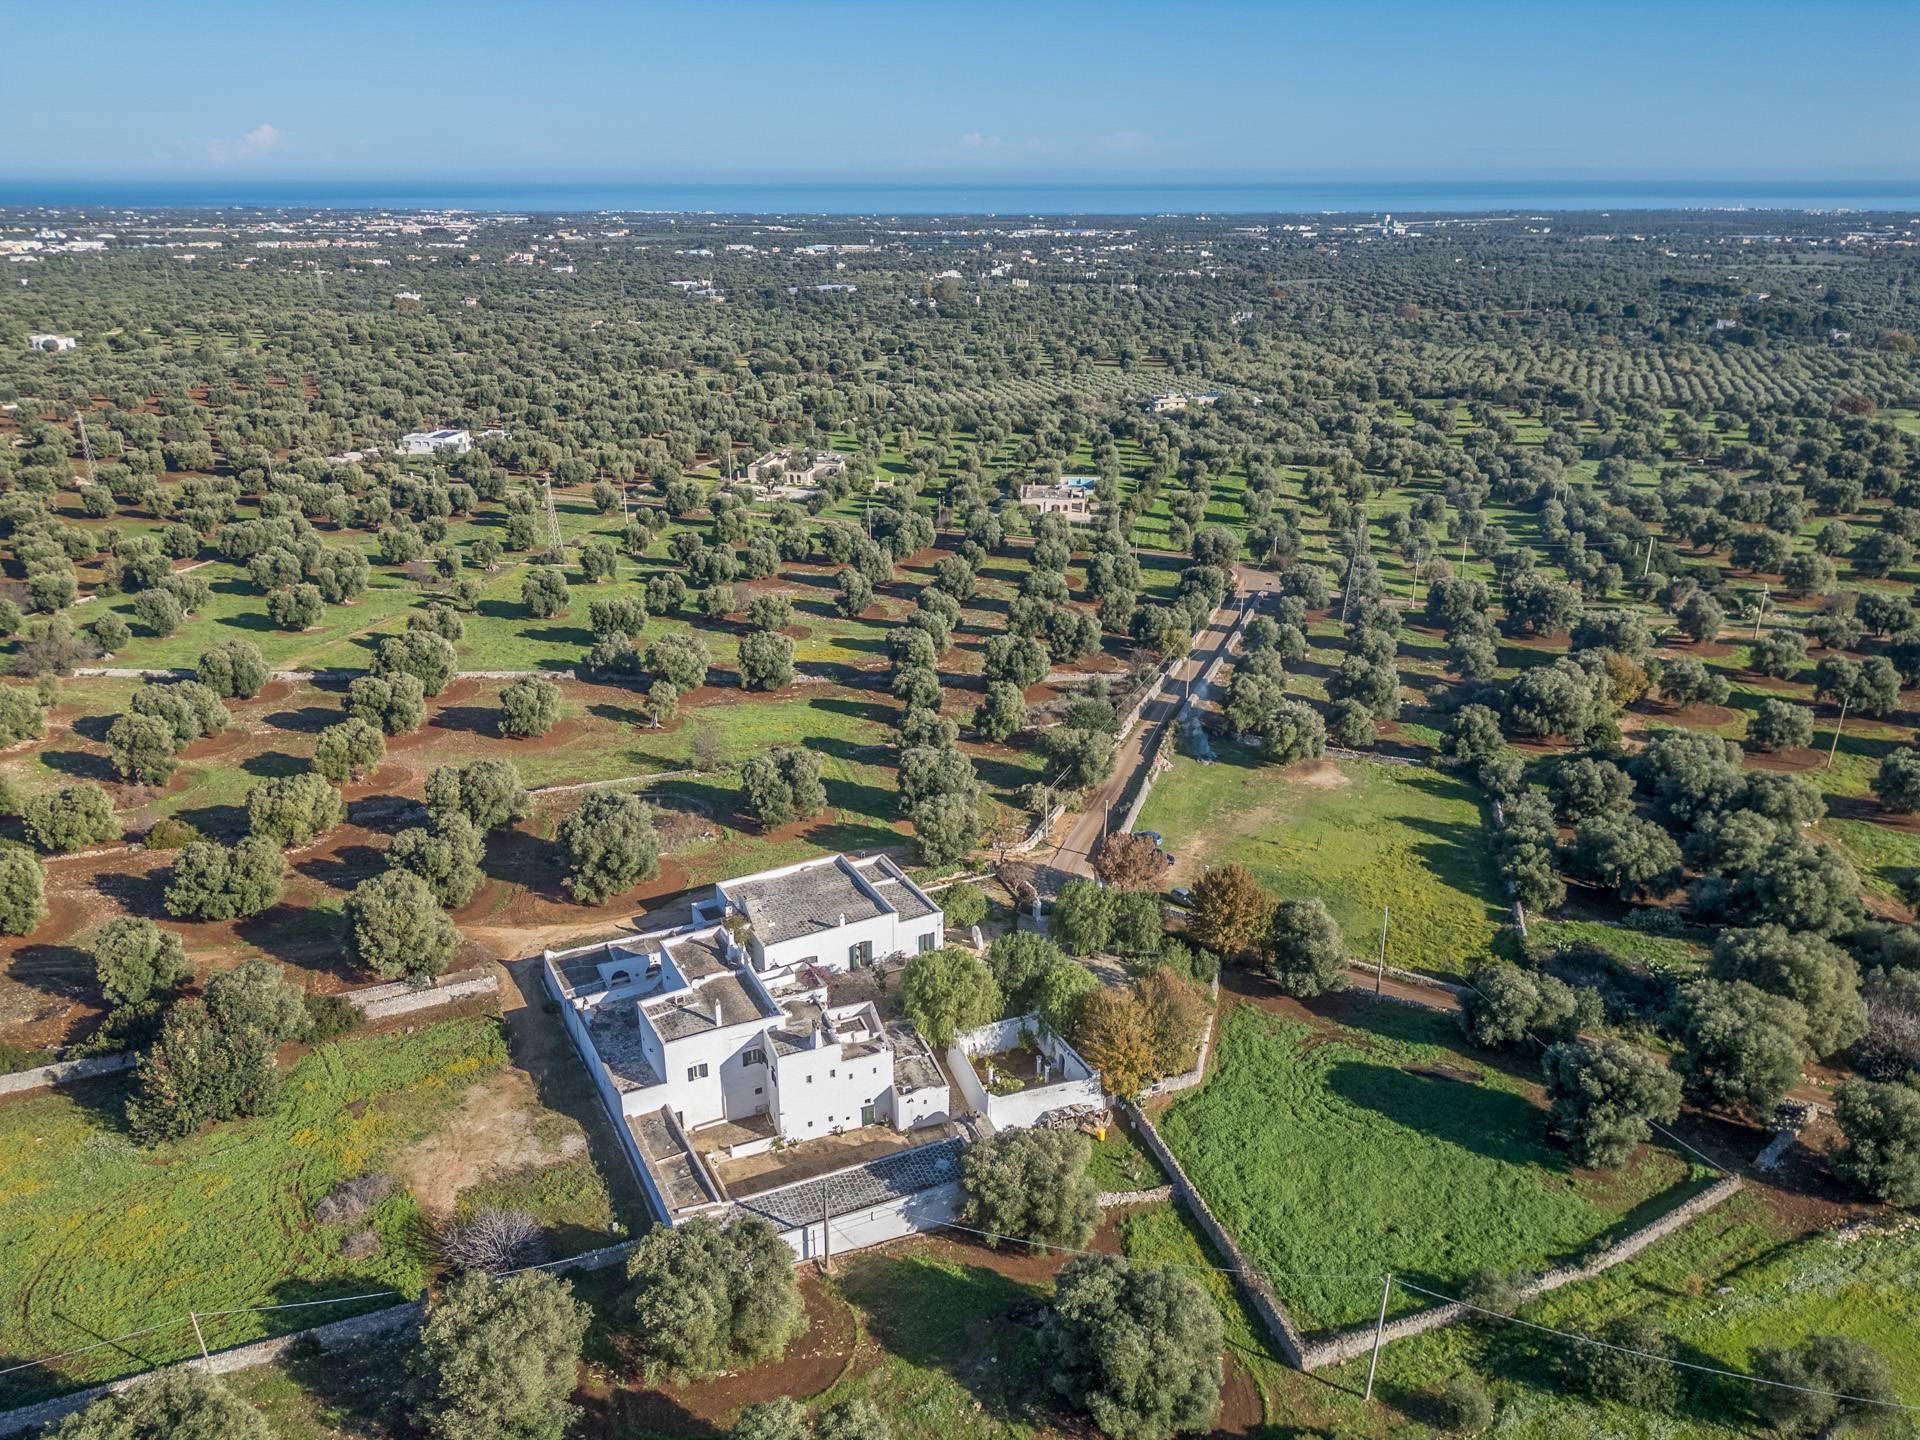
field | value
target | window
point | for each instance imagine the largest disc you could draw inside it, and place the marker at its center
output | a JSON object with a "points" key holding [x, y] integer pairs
{"points": [[926, 942], [861, 954], [697, 1072], [753, 1056]]}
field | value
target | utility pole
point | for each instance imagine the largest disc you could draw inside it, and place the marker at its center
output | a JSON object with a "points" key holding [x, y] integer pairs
{"points": [[1379, 1333], [1380, 973], [1832, 749], [195, 1318], [826, 1234], [1646, 562], [1760, 611]]}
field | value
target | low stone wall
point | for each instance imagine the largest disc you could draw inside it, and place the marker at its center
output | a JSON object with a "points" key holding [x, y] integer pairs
{"points": [[1356, 1341], [1253, 1286], [63, 1072], [382, 1002], [1173, 1084], [1110, 1199], [335, 1335]]}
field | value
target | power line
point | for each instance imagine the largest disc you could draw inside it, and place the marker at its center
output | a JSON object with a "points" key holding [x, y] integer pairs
{"points": [[1580, 1339]]}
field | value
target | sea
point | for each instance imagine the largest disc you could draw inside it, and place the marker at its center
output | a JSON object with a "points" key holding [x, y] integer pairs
{"points": [[985, 198]]}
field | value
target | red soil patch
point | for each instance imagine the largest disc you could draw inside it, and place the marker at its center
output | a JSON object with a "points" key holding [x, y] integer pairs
{"points": [[1786, 762], [1690, 717]]}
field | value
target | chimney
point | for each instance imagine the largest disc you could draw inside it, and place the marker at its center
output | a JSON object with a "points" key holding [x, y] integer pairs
{"points": [[843, 919], [716, 1012]]}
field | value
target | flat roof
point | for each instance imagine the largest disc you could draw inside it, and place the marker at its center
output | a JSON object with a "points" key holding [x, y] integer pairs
{"points": [[690, 1012], [804, 902]]}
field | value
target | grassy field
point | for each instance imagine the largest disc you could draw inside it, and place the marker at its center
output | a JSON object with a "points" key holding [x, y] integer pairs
{"points": [[1334, 1154], [1357, 834], [99, 1237]]}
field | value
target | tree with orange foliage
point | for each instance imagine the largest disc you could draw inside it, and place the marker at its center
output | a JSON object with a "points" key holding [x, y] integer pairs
{"points": [[1230, 910], [1129, 862], [1116, 1038]]}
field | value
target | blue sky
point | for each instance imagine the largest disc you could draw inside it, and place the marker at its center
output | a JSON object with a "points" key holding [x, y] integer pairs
{"points": [[279, 89]]}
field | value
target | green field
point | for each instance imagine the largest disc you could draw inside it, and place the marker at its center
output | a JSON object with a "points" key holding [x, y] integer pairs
{"points": [[1357, 834], [99, 1238], [1335, 1154]]}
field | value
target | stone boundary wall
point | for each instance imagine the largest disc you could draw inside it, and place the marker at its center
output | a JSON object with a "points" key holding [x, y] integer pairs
{"points": [[1357, 1340], [1252, 1285], [63, 1072], [334, 1335], [399, 998], [1109, 1199]]}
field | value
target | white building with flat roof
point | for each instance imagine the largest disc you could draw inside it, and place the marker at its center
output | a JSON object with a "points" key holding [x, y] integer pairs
{"points": [[433, 442], [51, 342], [730, 1018], [1071, 496]]}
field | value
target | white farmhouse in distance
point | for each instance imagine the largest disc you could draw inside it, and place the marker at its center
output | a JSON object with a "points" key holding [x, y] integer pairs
{"points": [[1072, 496], [432, 442], [1172, 402], [797, 469], [51, 342]]}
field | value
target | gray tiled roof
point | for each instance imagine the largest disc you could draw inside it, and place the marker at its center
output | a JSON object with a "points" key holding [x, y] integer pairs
{"points": [[905, 1172], [689, 1012], [786, 907]]}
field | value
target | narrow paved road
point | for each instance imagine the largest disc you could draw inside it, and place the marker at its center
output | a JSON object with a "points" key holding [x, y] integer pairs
{"points": [[1073, 855]]}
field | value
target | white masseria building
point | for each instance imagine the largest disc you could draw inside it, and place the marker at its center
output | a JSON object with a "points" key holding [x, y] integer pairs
{"points": [[729, 1018]]}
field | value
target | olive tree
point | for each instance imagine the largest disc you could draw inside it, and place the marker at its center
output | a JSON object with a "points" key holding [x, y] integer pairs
{"points": [[1304, 951], [1137, 1348], [500, 1358], [348, 750], [946, 992], [610, 845], [396, 928], [707, 1295], [171, 1404], [1031, 1186], [1605, 1096], [294, 810], [135, 960], [487, 792], [529, 707], [70, 818], [214, 882]]}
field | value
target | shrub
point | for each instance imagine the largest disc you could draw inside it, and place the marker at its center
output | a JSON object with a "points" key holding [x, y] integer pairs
{"points": [[170, 833], [1137, 1349], [397, 928], [706, 1296], [529, 707], [1462, 1407], [500, 1358], [1823, 1382], [70, 818], [494, 1241], [1611, 1374], [610, 845], [21, 715], [135, 960], [294, 810]]}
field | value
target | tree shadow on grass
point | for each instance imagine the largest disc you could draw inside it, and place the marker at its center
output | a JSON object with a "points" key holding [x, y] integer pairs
{"points": [[876, 711], [301, 936], [1494, 1124], [80, 764], [274, 764], [142, 895], [307, 720], [344, 868], [61, 970], [216, 820], [468, 720], [94, 727]]}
